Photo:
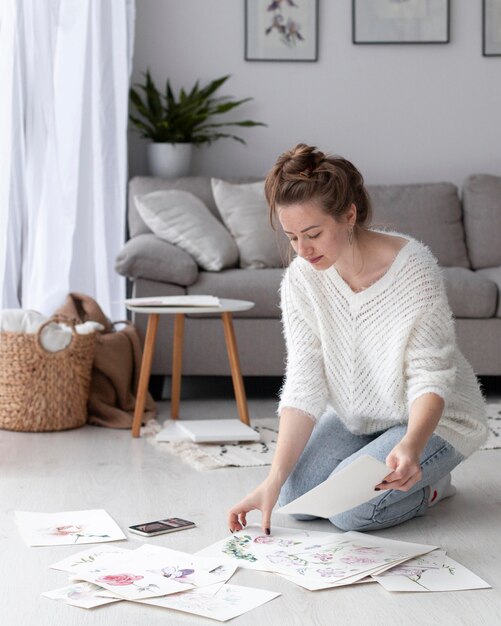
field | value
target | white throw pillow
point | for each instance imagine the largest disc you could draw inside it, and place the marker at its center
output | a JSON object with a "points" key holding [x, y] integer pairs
{"points": [[182, 219], [245, 212]]}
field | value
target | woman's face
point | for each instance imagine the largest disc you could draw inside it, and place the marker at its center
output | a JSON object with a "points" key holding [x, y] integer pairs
{"points": [[314, 235]]}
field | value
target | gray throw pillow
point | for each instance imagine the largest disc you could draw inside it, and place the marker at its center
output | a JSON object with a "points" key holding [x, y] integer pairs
{"points": [[482, 219], [429, 212], [245, 212], [147, 256], [182, 219]]}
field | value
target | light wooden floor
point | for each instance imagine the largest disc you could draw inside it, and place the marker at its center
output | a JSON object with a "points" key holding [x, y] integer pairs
{"points": [[99, 468]]}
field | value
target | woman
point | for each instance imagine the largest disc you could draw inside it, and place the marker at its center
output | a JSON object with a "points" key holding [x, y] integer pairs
{"points": [[369, 333]]}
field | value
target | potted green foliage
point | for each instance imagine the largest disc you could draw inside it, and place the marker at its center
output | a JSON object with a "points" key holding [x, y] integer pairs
{"points": [[177, 123]]}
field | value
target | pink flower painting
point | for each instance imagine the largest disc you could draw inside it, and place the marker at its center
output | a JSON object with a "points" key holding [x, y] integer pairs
{"points": [[119, 580], [75, 530], [357, 559], [63, 531], [264, 539]]}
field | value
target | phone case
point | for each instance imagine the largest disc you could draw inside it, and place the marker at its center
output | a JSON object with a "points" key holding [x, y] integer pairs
{"points": [[169, 526]]}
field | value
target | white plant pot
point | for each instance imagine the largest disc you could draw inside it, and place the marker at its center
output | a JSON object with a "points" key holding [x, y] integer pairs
{"points": [[169, 160]]}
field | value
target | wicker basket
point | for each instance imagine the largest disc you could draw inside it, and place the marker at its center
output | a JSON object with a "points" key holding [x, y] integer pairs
{"points": [[40, 390]]}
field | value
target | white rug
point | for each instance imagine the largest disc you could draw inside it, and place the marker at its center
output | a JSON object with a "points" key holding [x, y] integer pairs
{"points": [[494, 423], [213, 456]]}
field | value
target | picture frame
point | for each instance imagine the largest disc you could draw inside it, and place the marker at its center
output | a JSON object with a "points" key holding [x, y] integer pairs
{"points": [[401, 21], [491, 28], [281, 30]]}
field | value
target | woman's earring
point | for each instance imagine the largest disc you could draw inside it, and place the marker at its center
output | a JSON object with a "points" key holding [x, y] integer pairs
{"points": [[350, 235]]}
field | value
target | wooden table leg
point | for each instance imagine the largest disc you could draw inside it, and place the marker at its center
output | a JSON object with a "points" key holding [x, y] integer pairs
{"points": [[177, 363], [236, 373], [144, 375]]}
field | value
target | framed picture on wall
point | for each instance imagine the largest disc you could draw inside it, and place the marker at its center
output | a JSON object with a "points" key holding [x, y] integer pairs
{"points": [[281, 30], [400, 21], [491, 28]]}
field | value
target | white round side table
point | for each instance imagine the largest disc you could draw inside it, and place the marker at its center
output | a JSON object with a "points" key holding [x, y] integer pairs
{"points": [[154, 312]]}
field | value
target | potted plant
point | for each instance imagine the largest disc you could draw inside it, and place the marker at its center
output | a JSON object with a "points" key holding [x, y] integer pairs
{"points": [[176, 124]]}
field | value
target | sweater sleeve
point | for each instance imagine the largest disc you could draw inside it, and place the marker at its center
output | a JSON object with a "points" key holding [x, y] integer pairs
{"points": [[429, 360], [304, 388]]}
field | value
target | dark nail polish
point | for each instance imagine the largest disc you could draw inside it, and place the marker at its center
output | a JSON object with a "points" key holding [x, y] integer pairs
{"points": [[384, 482], [231, 531], [267, 531], [377, 489]]}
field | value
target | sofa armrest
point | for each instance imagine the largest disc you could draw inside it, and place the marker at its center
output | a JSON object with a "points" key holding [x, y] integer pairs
{"points": [[147, 256]]}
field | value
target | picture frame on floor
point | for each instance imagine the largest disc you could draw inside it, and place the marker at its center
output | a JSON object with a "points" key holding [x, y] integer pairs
{"points": [[491, 28], [400, 21], [281, 30]]}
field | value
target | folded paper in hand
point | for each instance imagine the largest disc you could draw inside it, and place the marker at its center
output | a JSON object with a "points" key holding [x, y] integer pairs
{"points": [[176, 301], [341, 492]]}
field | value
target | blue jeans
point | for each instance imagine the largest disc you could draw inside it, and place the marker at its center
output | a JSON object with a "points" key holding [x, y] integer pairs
{"points": [[332, 447]]}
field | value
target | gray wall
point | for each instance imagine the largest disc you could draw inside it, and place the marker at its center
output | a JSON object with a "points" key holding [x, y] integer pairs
{"points": [[401, 113]]}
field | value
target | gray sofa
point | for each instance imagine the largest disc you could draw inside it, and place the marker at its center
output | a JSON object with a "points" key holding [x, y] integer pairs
{"points": [[464, 234]]}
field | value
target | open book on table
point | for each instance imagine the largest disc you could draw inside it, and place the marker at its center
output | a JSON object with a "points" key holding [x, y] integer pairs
{"points": [[176, 301]]}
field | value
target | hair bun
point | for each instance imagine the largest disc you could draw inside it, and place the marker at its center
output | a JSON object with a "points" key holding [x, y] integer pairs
{"points": [[302, 160], [304, 173]]}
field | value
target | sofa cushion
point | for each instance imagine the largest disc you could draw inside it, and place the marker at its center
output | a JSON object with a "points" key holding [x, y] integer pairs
{"points": [[493, 274], [470, 295], [431, 213], [246, 214], [258, 286], [182, 219], [482, 219], [147, 256], [197, 185]]}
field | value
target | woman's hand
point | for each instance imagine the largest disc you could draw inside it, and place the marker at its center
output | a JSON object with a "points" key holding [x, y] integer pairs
{"points": [[404, 461], [263, 498], [294, 432]]}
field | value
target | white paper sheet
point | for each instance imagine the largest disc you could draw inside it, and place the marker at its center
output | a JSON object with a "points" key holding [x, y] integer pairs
{"points": [[291, 553], [452, 576], [84, 595], [130, 582], [343, 561], [229, 602], [341, 492], [248, 548], [89, 559], [67, 527], [432, 560], [184, 568]]}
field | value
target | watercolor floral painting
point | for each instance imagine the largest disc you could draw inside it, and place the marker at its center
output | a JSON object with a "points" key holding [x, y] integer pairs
{"points": [[312, 559], [68, 527], [178, 566], [452, 576], [229, 601], [281, 30], [83, 595], [91, 559], [248, 548], [332, 562], [133, 583]]}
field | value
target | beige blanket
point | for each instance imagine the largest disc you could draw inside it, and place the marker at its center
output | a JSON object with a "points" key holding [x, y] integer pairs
{"points": [[116, 368]]}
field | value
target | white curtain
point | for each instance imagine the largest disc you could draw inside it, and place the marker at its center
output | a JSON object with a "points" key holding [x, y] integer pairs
{"points": [[65, 68]]}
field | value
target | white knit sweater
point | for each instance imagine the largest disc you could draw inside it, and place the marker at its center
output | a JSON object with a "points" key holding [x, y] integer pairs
{"points": [[370, 354]]}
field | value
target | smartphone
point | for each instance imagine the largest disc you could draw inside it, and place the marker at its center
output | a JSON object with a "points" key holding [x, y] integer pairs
{"points": [[149, 529]]}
